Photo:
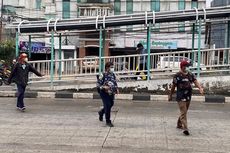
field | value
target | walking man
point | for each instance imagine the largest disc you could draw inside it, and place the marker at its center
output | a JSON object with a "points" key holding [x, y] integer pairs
{"points": [[20, 75], [143, 60], [183, 82], [107, 87]]}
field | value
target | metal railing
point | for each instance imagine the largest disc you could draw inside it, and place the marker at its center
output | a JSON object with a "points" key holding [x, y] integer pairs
{"points": [[129, 66]]}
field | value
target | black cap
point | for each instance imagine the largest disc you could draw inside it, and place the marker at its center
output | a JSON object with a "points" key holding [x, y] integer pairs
{"points": [[139, 45]]}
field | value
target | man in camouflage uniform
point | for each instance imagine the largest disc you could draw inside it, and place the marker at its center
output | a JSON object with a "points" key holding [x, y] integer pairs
{"points": [[183, 82]]}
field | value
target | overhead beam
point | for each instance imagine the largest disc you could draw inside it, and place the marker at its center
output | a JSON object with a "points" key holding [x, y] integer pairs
{"points": [[123, 20]]}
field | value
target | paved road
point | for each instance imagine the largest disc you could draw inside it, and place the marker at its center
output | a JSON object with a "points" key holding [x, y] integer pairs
{"points": [[67, 126]]}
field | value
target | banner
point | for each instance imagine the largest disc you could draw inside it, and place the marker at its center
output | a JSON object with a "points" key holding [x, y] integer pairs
{"points": [[36, 47]]}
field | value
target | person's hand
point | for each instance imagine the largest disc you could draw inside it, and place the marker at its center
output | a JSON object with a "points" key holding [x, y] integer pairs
{"points": [[169, 97], [201, 91], [106, 87]]}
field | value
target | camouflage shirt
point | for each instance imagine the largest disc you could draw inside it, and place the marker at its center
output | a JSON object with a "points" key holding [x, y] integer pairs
{"points": [[183, 83]]}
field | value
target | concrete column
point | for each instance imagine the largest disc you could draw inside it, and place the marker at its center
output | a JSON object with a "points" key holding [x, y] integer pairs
{"points": [[107, 52], [82, 52]]}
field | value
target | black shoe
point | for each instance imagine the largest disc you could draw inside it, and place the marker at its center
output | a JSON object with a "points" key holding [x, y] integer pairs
{"points": [[110, 124], [100, 117], [179, 127], [186, 132]]}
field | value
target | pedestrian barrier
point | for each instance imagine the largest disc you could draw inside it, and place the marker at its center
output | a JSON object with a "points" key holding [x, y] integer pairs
{"points": [[126, 67]]}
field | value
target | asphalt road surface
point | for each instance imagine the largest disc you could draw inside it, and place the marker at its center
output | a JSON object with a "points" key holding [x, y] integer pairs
{"points": [[72, 126]]}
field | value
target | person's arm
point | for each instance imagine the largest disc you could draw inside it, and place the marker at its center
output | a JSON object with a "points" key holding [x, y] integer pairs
{"points": [[100, 81], [116, 86], [172, 91], [32, 69], [14, 69], [197, 84], [174, 84]]}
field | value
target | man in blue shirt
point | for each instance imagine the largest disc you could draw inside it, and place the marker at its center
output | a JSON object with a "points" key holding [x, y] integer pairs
{"points": [[143, 60]]}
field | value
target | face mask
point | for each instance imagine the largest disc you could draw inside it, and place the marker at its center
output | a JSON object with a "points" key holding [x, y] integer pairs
{"points": [[25, 59], [111, 69]]}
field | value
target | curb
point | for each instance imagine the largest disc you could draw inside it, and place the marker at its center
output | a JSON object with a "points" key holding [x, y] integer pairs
{"points": [[134, 97]]}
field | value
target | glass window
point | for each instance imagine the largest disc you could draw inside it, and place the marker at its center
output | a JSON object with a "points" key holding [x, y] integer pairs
{"points": [[129, 6], [194, 4], [117, 7], [155, 5], [129, 10], [165, 59], [176, 59], [38, 4], [181, 5], [66, 9], [105, 1]]}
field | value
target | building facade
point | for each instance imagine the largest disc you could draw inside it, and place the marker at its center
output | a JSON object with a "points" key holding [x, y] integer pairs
{"points": [[220, 33], [165, 37]]}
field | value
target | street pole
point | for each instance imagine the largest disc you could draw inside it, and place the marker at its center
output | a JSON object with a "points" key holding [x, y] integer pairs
{"points": [[1, 22], [59, 57], [16, 45], [52, 60], [30, 46], [193, 41], [103, 49], [148, 48], [199, 47], [100, 50]]}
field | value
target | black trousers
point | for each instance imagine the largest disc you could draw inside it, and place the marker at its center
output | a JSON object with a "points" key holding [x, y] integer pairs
{"points": [[20, 94], [108, 102]]}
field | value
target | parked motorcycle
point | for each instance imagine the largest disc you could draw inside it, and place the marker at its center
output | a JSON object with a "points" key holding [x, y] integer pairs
{"points": [[4, 75]]}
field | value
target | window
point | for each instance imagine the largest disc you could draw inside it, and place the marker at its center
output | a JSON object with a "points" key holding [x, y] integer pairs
{"points": [[129, 6], [117, 7], [194, 4], [66, 9], [129, 10], [181, 6], [38, 4], [155, 5]]}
